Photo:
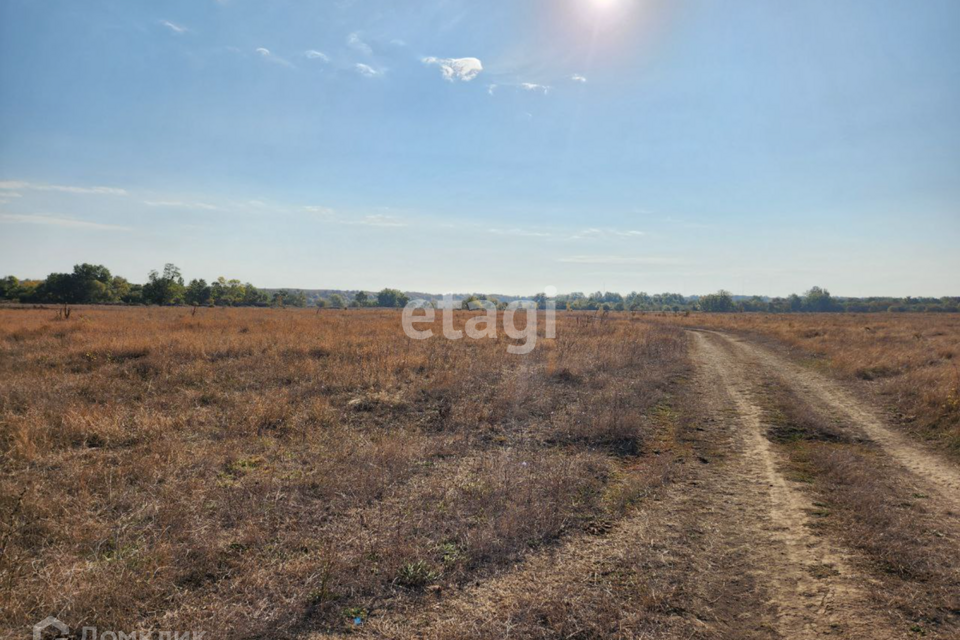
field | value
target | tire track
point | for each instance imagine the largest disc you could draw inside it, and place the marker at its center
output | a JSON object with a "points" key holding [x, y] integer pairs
{"points": [[812, 584], [936, 472]]}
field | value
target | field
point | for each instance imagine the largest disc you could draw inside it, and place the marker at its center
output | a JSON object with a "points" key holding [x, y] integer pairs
{"points": [[281, 473]]}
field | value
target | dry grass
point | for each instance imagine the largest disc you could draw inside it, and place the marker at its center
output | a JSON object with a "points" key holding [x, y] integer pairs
{"points": [[912, 360], [259, 473]]}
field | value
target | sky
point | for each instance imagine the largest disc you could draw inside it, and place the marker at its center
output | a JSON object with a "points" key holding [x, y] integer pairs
{"points": [[502, 146]]}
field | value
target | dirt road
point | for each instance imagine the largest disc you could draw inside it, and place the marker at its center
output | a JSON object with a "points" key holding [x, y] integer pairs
{"points": [[812, 586], [814, 581]]}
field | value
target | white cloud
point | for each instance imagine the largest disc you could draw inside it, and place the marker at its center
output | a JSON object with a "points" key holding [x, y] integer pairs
{"points": [[354, 42], [176, 28], [520, 233], [181, 205], [463, 69], [578, 78], [367, 71], [321, 211], [16, 184], [313, 54], [530, 86], [594, 232], [266, 54], [381, 220], [491, 88], [618, 260], [377, 220], [15, 218]]}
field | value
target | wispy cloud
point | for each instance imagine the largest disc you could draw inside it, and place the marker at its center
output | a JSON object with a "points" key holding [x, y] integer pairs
{"points": [[313, 54], [367, 71], [173, 26], [318, 210], [463, 69], [491, 88], [578, 78], [530, 86], [355, 43], [375, 220], [268, 55], [595, 232], [16, 184], [180, 205], [603, 259], [521, 233], [381, 220], [17, 218]]}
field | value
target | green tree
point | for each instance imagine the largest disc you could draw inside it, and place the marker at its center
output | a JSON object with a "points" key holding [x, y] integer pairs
{"points": [[9, 288], [817, 299], [337, 301], [465, 303], [541, 300], [362, 298], [197, 293], [391, 298], [166, 288], [719, 302]]}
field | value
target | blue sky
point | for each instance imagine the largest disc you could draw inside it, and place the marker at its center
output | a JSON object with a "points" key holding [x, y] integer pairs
{"points": [[506, 145]]}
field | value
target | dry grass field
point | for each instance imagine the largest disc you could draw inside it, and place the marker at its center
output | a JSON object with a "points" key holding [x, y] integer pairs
{"points": [[258, 472], [283, 473]]}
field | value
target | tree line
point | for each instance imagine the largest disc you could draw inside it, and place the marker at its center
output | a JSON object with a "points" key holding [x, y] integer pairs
{"points": [[94, 284], [815, 300]]}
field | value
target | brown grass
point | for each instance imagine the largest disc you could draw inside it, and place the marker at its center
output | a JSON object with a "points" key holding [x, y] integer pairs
{"points": [[258, 473], [911, 360]]}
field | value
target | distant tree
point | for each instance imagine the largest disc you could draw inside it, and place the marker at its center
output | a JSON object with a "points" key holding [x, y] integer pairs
{"points": [[320, 303], [164, 289], [337, 301], [58, 287], [134, 294], [391, 298], [119, 289], [198, 293], [90, 283], [362, 299], [285, 298], [465, 304], [9, 288], [719, 302], [817, 299]]}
